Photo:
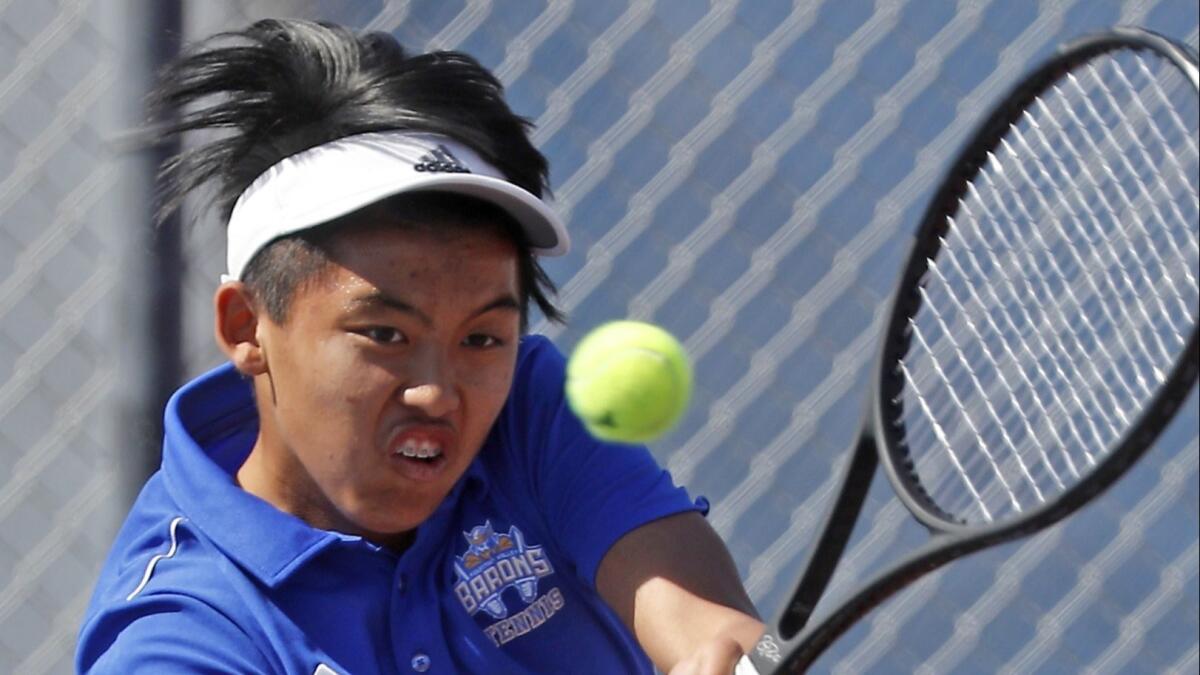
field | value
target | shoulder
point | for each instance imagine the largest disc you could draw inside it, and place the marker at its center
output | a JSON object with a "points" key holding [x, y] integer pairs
{"points": [[165, 593], [158, 549], [166, 631]]}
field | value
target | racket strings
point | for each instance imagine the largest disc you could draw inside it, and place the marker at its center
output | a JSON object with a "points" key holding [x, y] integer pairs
{"points": [[1188, 141], [1091, 217], [983, 444], [1061, 294], [1077, 266], [1046, 380], [1155, 189], [1037, 292], [1036, 393], [1063, 291], [1056, 338], [1108, 253], [1188, 145], [976, 436], [1183, 141], [1072, 294], [994, 363], [1146, 199]]}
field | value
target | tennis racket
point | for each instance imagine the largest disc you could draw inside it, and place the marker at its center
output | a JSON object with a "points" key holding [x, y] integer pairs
{"points": [[1043, 331]]}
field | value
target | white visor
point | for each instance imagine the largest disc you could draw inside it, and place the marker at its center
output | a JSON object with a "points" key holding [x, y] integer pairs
{"points": [[342, 176]]}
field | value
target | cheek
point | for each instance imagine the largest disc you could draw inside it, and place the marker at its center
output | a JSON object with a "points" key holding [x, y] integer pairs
{"points": [[488, 386], [329, 386]]}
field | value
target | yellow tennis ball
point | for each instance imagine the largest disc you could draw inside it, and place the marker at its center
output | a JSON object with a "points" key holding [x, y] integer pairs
{"points": [[628, 381]]}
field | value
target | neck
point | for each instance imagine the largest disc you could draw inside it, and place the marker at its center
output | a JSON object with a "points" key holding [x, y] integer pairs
{"points": [[261, 476]]}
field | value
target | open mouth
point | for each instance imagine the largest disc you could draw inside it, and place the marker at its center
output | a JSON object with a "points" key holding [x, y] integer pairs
{"points": [[422, 449], [419, 458]]}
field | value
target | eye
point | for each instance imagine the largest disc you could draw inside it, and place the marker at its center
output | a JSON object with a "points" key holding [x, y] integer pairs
{"points": [[384, 335], [481, 341]]}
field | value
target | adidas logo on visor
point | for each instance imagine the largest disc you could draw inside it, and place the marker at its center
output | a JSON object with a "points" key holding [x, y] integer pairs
{"points": [[440, 160]]}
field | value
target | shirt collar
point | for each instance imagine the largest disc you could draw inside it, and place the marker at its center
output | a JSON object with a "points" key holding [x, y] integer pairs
{"points": [[211, 425]]}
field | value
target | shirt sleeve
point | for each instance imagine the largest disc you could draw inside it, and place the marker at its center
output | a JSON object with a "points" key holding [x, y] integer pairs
{"points": [[591, 492], [166, 634]]}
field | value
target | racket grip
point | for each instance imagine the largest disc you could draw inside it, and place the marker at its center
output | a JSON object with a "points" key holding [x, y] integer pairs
{"points": [[765, 659], [745, 667]]}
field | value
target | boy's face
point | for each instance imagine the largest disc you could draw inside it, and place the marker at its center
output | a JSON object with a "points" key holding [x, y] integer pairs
{"points": [[383, 382]]}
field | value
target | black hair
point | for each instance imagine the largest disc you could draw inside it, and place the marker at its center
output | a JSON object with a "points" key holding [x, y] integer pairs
{"points": [[283, 86]]}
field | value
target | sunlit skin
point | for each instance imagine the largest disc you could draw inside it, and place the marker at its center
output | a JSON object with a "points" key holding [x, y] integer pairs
{"points": [[409, 340]]}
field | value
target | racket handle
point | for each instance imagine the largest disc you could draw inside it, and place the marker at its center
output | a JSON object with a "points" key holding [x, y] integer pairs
{"points": [[766, 658], [745, 667]]}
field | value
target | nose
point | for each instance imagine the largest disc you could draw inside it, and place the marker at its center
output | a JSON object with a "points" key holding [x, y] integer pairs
{"points": [[431, 387], [435, 400]]}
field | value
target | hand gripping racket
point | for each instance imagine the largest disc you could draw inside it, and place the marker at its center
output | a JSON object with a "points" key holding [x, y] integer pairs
{"points": [[1044, 328]]}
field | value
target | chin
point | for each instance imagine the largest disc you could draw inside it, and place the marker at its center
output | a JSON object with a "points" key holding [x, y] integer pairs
{"points": [[398, 508], [395, 522]]}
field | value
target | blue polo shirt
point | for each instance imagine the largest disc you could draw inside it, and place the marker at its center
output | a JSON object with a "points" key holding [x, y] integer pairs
{"points": [[205, 577]]}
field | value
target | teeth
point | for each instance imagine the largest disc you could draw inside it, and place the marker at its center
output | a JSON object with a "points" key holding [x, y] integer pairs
{"points": [[421, 449]]}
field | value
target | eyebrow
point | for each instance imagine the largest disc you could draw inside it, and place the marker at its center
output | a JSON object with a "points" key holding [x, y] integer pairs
{"points": [[378, 298]]}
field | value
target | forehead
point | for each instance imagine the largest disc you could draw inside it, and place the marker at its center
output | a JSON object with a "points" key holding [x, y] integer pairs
{"points": [[413, 257]]}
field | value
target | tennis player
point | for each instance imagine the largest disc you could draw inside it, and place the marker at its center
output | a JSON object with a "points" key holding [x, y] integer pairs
{"points": [[384, 477]]}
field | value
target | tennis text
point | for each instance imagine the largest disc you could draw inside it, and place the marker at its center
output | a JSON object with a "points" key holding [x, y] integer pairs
{"points": [[537, 613]]}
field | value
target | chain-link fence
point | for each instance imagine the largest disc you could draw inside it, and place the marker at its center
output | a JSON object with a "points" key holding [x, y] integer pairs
{"points": [[60, 487], [744, 173]]}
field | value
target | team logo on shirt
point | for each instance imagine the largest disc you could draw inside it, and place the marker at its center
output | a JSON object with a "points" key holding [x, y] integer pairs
{"points": [[495, 562]]}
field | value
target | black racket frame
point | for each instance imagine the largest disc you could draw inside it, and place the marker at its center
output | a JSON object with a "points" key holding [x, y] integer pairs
{"points": [[787, 647]]}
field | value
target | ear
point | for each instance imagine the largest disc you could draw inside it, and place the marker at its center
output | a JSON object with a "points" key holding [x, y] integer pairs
{"points": [[236, 323]]}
